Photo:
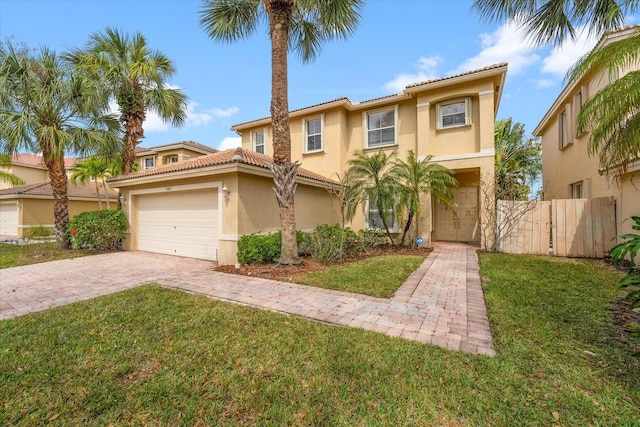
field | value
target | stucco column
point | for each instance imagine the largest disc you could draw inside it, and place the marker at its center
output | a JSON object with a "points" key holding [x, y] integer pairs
{"points": [[423, 127], [487, 116]]}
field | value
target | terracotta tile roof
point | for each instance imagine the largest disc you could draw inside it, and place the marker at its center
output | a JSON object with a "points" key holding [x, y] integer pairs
{"points": [[35, 160], [44, 189], [233, 155], [487, 68], [351, 104], [192, 144]]}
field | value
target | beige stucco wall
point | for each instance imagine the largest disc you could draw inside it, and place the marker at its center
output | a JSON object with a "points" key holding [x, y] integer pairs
{"points": [[30, 175], [39, 211]]}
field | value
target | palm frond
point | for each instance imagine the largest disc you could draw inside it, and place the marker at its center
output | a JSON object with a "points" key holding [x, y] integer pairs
{"points": [[231, 20]]}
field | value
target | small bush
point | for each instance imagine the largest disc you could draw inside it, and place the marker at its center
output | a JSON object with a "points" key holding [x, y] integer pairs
{"points": [[371, 239], [98, 230], [259, 248], [332, 243], [305, 243], [38, 232]]}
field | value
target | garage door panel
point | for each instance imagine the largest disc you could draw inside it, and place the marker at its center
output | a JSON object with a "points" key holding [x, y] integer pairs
{"points": [[181, 223], [9, 219]]}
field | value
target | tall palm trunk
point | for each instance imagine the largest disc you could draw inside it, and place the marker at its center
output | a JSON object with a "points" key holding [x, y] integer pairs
{"points": [[98, 194], [106, 194], [284, 172], [58, 178], [132, 118]]}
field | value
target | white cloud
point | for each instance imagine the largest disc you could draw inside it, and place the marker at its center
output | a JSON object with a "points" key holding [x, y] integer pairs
{"points": [[230, 142], [564, 56], [426, 71], [507, 44], [197, 118], [544, 83]]}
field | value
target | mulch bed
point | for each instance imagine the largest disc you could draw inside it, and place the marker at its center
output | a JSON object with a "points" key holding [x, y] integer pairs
{"points": [[285, 273]]}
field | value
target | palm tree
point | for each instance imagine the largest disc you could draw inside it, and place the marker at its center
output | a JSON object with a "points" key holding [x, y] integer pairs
{"points": [[417, 177], [612, 115], [137, 77], [374, 175], [551, 22], [302, 25], [93, 168], [9, 178], [518, 160], [46, 108]]}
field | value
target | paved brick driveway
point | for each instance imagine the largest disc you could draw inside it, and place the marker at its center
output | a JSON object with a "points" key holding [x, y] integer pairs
{"points": [[441, 303]]}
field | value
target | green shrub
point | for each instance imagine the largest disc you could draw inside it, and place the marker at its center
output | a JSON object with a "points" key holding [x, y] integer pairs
{"points": [[305, 243], [38, 232], [371, 239], [332, 243], [259, 248], [98, 230]]}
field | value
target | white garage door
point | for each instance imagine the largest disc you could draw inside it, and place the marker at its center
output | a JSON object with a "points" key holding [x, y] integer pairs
{"points": [[9, 219], [180, 223]]}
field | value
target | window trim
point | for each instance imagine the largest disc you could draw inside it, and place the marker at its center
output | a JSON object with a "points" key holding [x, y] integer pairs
{"points": [[393, 228], [144, 162], [264, 140], [468, 112], [172, 157], [564, 128], [305, 135], [365, 127]]}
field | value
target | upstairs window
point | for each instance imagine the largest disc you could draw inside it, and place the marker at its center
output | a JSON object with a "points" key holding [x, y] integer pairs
{"points": [[313, 134], [453, 113], [381, 128], [173, 159], [257, 137], [564, 133], [149, 162]]}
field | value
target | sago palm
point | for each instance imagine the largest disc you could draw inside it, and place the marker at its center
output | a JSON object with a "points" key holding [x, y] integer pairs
{"points": [[137, 77], [46, 108], [303, 26], [418, 177]]}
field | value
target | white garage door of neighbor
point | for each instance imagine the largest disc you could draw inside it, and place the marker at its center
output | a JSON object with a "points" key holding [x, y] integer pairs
{"points": [[9, 219], [180, 223]]}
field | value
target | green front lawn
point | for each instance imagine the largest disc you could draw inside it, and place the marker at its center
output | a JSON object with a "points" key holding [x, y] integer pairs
{"points": [[379, 276], [12, 255], [154, 356]]}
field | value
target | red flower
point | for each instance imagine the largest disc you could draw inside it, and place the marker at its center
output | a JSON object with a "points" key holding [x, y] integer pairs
{"points": [[74, 231]]}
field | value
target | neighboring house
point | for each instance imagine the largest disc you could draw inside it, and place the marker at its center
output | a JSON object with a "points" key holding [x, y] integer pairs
{"points": [[31, 205], [170, 153], [200, 207], [450, 118], [567, 169], [31, 169]]}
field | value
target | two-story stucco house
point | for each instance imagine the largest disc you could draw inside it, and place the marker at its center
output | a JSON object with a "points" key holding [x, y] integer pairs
{"points": [[568, 171], [201, 206], [450, 118]]}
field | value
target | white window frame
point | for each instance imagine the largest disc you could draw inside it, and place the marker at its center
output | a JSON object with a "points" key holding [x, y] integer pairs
{"points": [[577, 190], [578, 101], [306, 135], [172, 159], [144, 162], [394, 228], [468, 112], [365, 126], [254, 147], [564, 128]]}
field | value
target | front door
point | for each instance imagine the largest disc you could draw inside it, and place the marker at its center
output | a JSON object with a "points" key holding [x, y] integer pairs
{"points": [[461, 223]]}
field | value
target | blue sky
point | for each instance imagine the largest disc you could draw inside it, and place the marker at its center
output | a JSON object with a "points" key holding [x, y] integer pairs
{"points": [[398, 42]]}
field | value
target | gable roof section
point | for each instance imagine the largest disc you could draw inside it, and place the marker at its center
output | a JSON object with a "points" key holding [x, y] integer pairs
{"points": [[191, 145], [44, 189], [606, 39], [234, 155], [499, 69]]}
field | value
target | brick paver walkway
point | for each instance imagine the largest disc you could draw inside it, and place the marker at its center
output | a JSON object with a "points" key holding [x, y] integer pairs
{"points": [[441, 303]]}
